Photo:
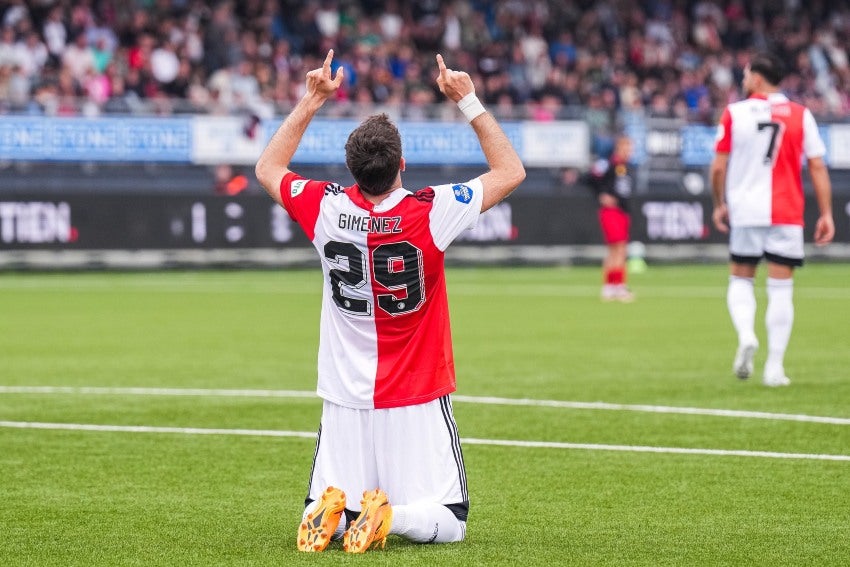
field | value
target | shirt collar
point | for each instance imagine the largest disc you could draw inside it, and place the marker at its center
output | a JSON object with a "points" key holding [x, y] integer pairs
{"points": [[772, 97], [390, 201]]}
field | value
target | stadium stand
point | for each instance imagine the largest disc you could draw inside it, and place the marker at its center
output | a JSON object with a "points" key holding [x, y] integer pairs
{"points": [[659, 70], [532, 59]]}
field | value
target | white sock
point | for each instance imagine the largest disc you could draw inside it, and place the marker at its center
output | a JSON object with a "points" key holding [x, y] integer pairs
{"points": [[427, 523], [779, 319], [741, 301]]}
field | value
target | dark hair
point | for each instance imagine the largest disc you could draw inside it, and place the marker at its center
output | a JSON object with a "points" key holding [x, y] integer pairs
{"points": [[769, 66], [373, 154]]}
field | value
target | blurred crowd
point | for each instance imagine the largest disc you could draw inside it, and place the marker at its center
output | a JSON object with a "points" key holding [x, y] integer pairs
{"points": [[530, 59]]}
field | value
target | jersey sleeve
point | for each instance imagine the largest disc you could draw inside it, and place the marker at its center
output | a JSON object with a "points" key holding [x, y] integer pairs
{"points": [[813, 146], [723, 139], [456, 207], [301, 198]]}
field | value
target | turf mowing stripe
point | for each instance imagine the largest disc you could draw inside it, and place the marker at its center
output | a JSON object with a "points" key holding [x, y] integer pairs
{"points": [[208, 285], [668, 450], [470, 441], [455, 398]]}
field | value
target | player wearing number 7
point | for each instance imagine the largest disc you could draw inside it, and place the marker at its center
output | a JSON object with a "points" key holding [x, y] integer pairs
{"points": [[757, 189], [386, 368]]}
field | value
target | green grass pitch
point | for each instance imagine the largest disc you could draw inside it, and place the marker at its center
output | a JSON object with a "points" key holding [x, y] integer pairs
{"points": [[91, 498]]}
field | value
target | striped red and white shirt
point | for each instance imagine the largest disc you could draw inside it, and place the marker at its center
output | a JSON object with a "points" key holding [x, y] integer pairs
{"points": [[385, 339], [766, 138]]}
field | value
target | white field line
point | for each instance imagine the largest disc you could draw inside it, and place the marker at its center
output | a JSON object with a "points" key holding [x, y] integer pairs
{"points": [[743, 414], [152, 429], [467, 441], [133, 391]]}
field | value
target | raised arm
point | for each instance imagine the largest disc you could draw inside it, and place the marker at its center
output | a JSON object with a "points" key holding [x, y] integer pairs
{"points": [[506, 169], [274, 161]]}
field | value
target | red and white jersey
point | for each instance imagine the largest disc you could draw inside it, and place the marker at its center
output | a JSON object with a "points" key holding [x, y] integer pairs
{"points": [[766, 138], [385, 339]]}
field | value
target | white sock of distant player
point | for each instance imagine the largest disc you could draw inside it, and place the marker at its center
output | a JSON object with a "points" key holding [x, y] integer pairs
{"points": [[741, 301], [427, 523], [779, 319]]}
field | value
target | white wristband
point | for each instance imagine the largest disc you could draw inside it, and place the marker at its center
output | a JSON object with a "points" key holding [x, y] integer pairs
{"points": [[471, 106]]}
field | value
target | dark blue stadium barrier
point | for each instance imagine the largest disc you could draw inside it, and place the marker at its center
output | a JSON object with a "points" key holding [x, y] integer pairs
{"points": [[162, 222]]}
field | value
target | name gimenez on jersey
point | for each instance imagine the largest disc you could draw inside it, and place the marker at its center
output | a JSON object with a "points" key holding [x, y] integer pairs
{"points": [[372, 225]]}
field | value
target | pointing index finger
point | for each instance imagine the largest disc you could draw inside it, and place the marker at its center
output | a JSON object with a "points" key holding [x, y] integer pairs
{"points": [[441, 65], [328, 59]]}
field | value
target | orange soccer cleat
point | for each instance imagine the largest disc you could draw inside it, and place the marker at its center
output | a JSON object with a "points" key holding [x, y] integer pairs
{"points": [[372, 525], [318, 527]]}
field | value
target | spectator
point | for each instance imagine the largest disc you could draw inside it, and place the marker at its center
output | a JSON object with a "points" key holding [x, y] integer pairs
{"points": [[55, 33], [119, 102], [8, 50], [390, 21], [32, 55], [17, 87], [244, 85], [179, 86], [563, 51], [102, 53], [96, 87], [164, 63], [140, 52], [68, 93], [16, 13], [81, 17], [220, 34], [78, 57], [327, 18]]}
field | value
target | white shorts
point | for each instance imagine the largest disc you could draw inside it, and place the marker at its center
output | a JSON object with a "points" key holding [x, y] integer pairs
{"points": [[412, 453], [781, 244]]}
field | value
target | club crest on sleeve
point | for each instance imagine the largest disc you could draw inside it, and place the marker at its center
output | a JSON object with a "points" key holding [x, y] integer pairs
{"points": [[462, 193], [297, 186]]}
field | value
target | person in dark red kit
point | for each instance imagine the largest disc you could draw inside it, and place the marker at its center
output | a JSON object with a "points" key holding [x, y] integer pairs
{"points": [[611, 180]]}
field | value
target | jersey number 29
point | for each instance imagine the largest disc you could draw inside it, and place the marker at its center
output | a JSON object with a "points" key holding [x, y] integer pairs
{"points": [[397, 267]]}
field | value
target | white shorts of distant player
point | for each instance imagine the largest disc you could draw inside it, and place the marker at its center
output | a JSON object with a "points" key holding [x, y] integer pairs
{"points": [[412, 453], [781, 243]]}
